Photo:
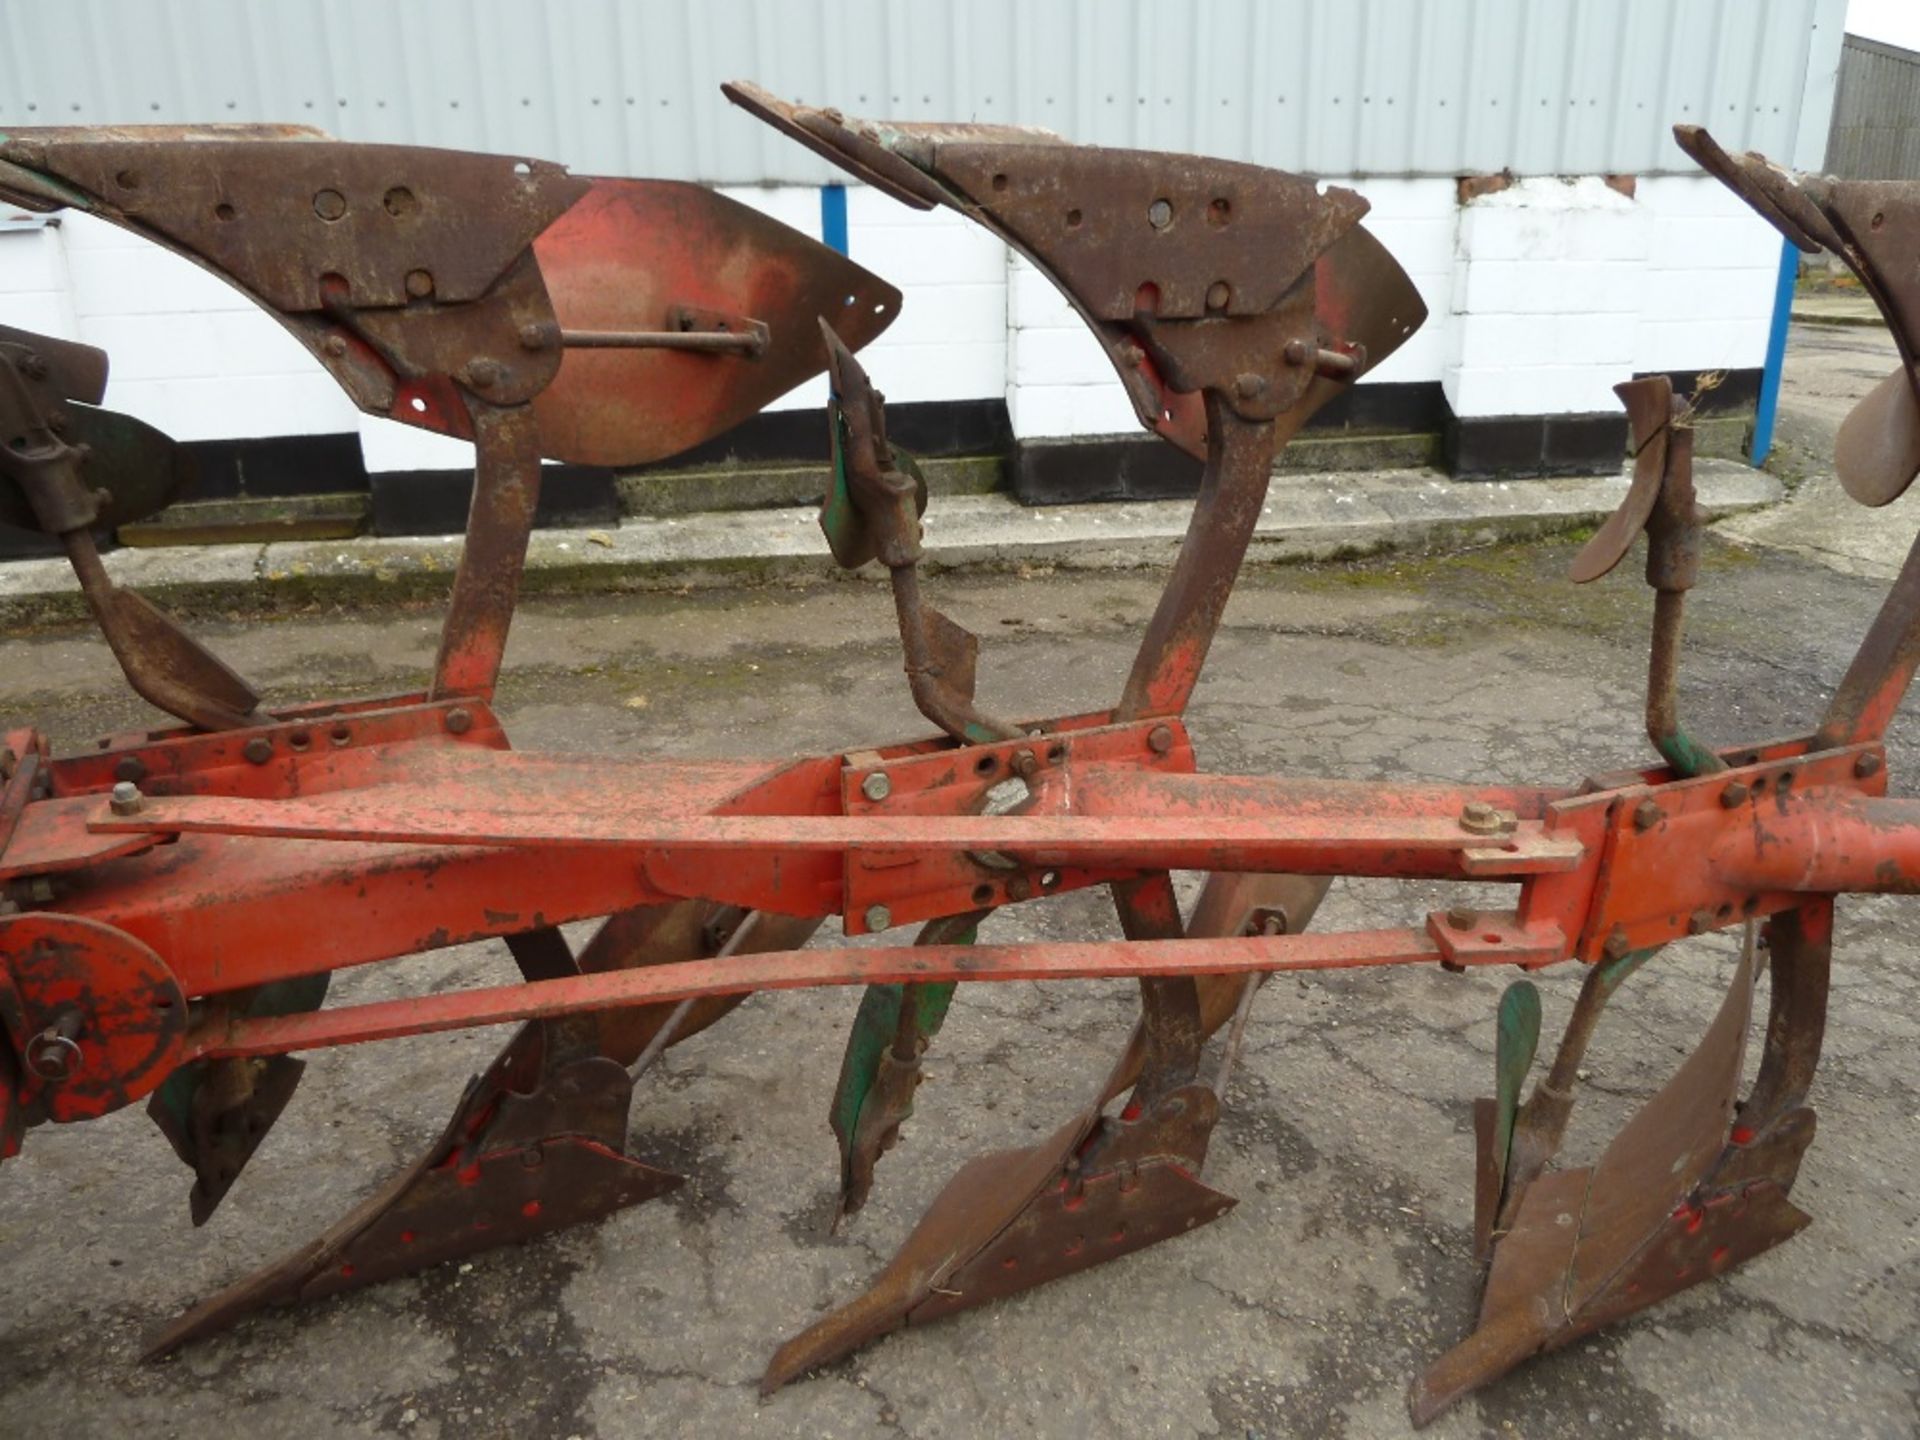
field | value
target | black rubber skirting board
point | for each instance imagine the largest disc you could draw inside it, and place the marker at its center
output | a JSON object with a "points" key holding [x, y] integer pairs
{"points": [[1129, 467], [1493, 447], [922, 427], [1496, 447], [1144, 467], [276, 465], [435, 502]]}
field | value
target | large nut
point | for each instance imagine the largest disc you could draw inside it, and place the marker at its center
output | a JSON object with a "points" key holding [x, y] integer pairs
{"points": [[1477, 817]]}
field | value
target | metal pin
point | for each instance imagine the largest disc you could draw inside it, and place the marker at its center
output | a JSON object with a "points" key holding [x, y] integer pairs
{"points": [[663, 1037], [1238, 1032]]}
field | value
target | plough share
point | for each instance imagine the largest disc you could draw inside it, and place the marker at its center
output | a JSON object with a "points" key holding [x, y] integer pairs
{"points": [[179, 897]]}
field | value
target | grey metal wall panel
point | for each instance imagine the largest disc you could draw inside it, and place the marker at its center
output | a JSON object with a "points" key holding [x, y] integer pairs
{"points": [[1876, 114], [1335, 87]]}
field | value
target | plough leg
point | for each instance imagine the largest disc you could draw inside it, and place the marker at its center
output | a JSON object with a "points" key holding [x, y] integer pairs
{"points": [[1695, 1185], [537, 1143], [1101, 1186]]}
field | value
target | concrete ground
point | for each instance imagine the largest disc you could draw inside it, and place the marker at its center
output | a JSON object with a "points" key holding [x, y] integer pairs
{"points": [[1346, 1133], [1828, 368]]}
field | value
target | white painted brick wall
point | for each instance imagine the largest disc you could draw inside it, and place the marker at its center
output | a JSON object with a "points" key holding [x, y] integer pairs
{"points": [[35, 291], [1540, 298], [1415, 220], [187, 352], [1546, 301], [1711, 272]]}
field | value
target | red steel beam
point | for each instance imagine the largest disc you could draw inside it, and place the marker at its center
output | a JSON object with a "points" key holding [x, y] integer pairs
{"points": [[1184, 823], [797, 969]]}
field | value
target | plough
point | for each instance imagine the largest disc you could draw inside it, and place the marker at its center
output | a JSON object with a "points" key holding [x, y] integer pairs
{"points": [[177, 898]]}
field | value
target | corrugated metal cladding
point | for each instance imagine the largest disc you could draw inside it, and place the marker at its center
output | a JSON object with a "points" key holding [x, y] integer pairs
{"points": [[1876, 114], [1334, 87]]}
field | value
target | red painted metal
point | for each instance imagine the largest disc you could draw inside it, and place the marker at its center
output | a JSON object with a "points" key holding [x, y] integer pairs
{"points": [[456, 1010]]}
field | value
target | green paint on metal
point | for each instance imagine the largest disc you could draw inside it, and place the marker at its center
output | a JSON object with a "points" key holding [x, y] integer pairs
{"points": [[1686, 755], [1611, 972], [38, 190], [875, 1026], [1516, 1040], [838, 518], [283, 997]]}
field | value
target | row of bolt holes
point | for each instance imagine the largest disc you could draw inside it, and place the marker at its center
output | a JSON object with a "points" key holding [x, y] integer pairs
{"points": [[1159, 213], [302, 739], [328, 204]]}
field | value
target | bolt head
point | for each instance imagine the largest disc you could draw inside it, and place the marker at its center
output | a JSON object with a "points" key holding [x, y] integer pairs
{"points": [[1160, 739], [1734, 796], [1218, 294], [1477, 817], [1019, 888], [1699, 922], [1249, 386], [1298, 352], [329, 204], [878, 917], [876, 787], [459, 720], [1647, 814], [419, 284], [257, 751], [1617, 945], [1460, 917], [126, 798], [1025, 763], [53, 1057], [1866, 766], [535, 336], [484, 373]]}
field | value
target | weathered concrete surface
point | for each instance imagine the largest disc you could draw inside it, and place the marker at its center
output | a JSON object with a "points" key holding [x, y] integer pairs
{"points": [[1307, 517], [1828, 369], [1836, 306], [1346, 1136]]}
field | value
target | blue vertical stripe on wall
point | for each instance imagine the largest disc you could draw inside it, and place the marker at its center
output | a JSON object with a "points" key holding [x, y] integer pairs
{"points": [[1769, 402], [833, 217]]}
